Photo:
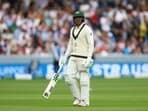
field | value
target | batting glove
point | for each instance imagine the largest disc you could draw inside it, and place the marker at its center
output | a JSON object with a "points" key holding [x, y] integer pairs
{"points": [[88, 62], [63, 60]]}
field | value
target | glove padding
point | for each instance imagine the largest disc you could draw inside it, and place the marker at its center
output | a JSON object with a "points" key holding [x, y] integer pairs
{"points": [[88, 62], [63, 60]]}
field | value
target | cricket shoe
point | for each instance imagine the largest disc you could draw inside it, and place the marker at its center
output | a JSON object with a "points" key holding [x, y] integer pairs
{"points": [[76, 102], [83, 104]]}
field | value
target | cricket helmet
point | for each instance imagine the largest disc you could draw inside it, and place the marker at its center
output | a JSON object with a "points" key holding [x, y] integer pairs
{"points": [[78, 14]]}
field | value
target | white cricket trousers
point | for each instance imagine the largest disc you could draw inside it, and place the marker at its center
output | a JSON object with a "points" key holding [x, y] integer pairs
{"points": [[78, 79]]}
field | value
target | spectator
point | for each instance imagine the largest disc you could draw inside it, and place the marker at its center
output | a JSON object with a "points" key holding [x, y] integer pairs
{"points": [[35, 24]]}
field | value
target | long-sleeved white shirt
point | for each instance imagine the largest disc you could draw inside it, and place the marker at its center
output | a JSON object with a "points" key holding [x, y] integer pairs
{"points": [[81, 41]]}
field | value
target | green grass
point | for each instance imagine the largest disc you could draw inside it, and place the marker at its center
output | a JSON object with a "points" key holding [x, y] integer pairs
{"points": [[106, 95]]}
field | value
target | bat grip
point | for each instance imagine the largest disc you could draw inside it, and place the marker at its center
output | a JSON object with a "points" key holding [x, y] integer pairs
{"points": [[60, 68]]}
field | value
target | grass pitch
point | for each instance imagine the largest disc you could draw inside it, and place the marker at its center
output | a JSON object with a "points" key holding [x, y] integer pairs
{"points": [[106, 95]]}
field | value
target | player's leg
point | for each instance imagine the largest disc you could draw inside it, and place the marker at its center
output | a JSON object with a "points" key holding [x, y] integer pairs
{"points": [[84, 86], [71, 80]]}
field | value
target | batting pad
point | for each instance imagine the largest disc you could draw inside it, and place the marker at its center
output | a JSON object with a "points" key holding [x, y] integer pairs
{"points": [[72, 82], [84, 84]]}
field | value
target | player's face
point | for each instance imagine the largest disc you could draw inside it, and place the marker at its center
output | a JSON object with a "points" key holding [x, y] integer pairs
{"points": [[78, 21]]}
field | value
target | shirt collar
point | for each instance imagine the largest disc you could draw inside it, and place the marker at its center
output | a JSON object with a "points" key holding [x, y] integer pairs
{"points": [[80, 25]]}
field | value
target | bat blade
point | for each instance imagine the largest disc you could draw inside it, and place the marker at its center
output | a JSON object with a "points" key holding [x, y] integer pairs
{"points": [[51, 86], [52, 83]]}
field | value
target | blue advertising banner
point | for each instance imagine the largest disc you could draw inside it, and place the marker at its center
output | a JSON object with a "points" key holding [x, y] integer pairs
{"points": [[106, 70], [110, 70], [9, 70]]}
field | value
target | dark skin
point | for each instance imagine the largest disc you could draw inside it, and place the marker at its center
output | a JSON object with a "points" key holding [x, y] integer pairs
{"points": [[78, 21]]}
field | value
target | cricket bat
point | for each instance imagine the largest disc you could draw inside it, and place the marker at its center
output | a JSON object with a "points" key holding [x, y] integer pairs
{"points": [[52, 83]]}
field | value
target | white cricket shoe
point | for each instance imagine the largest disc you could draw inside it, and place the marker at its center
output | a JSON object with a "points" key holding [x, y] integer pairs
{"points": [[83, 104], [76, 102]]}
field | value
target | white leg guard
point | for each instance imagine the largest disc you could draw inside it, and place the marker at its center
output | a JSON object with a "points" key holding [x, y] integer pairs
{"points": [[73, 84], [71, 79], [84, 85]]}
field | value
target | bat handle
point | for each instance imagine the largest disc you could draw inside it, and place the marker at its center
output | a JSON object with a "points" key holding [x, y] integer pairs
{"points": [[60, 68]]}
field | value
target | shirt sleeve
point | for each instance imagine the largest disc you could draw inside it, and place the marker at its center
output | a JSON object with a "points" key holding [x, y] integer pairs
{"points": [[69, 47], [90, 40]]}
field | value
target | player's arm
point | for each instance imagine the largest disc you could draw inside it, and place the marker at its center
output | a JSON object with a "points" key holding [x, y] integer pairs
{"points": [[69, 48], [90, 40], [64, 59]]}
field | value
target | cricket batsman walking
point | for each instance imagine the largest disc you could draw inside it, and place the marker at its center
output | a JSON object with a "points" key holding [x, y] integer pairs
{"points": [[79, 58]]}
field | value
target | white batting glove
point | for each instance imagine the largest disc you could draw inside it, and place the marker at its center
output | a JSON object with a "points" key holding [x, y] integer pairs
{"points": [[88, 62], [63, 60]]}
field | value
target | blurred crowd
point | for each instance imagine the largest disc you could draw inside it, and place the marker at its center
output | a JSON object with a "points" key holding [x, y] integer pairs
{"points": [[41, 27]]}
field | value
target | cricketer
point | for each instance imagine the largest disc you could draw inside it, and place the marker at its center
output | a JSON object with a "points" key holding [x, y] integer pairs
{"points": [[78, 57]]}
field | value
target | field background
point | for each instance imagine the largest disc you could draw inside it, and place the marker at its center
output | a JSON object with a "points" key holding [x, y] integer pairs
{"points": [[106, 95]]}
